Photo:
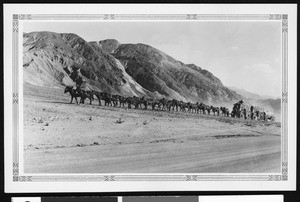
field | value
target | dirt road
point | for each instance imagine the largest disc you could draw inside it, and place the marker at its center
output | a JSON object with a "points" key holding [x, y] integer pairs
{"points": [[69, 138]]}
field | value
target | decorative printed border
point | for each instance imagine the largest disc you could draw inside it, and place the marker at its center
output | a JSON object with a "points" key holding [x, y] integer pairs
{"points": [[15, 95], [283, 176], [284, 105]]}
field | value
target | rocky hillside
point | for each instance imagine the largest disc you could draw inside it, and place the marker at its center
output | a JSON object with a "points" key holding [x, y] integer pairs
{"points": [[127, 69], [158, 72], [48, 57], [206, 73]]}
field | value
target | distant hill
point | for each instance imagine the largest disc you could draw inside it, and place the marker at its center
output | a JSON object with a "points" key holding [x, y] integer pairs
{"points": [[273, 104], [248, 94]]}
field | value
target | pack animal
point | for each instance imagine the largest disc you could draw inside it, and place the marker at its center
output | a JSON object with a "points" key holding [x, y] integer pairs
{"points": [[75, 94]]}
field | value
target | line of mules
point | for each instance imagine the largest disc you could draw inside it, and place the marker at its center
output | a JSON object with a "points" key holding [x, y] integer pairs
{"points": [[144, 103], [238, 111], [82, 94]]}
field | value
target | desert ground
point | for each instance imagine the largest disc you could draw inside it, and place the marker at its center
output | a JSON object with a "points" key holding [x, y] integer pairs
{"points": [[67, 138]]}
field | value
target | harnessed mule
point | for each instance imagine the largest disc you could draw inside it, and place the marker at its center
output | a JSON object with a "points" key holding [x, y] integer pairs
{"points": [[75, 94]]}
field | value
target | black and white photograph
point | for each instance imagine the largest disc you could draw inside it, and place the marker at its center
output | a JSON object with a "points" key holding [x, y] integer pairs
{"points": [[151, 97]]}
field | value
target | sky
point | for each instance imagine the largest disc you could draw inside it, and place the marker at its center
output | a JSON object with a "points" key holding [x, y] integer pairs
{"points": [[243, 54]]}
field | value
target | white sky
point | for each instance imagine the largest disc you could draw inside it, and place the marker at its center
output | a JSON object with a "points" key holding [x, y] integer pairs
{"points": [[244, 54]]}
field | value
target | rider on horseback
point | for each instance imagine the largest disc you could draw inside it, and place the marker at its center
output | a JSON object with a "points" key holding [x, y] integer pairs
{"points": [[79, 82]]}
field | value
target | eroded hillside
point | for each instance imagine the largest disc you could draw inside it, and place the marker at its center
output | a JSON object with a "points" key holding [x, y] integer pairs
{"points": [[126, 69]]}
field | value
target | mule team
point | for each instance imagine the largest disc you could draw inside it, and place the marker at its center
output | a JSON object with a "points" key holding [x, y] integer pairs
{"points": [[163, 104]]}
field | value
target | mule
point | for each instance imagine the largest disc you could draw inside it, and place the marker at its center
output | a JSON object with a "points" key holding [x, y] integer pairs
{"points": [[215, 110], [144, 101], [122, 100], [89, 95], [99, 96], [163, 102], [175, 104], [135, 101], [75, 94], [108, 99]]}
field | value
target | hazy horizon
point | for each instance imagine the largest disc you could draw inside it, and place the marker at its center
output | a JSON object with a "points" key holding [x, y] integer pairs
{"points": [[245, 55]]}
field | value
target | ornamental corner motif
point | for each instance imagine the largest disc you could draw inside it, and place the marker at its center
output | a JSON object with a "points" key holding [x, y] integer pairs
{"points": [[25, 16], [275, 17], [274, 178]]}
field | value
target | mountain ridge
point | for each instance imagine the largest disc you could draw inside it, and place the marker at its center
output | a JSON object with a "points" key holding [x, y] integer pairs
{"points": [[126, 69]]}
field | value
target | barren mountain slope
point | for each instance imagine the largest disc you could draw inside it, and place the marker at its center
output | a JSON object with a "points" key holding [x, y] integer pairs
{"points": [[156, 71], [47, 58], [127, 69]]}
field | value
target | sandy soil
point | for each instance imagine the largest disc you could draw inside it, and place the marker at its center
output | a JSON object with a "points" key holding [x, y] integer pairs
{"points": [[67, 138]]}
